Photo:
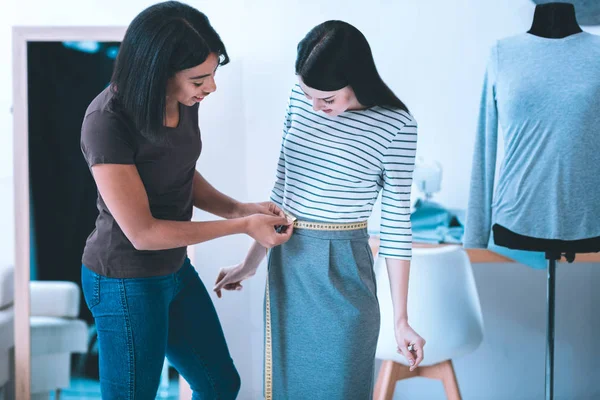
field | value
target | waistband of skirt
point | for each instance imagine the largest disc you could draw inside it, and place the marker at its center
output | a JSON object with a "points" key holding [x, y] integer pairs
{"points": [[330, 230]]}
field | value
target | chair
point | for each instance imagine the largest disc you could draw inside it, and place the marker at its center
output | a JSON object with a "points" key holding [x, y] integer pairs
{"points": [[55, 334], [443, 307], [7, 338]]}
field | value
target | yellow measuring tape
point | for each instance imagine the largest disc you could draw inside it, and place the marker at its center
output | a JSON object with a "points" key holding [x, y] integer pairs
{"points": [[268, 338], [319, 226], [268, 348]]}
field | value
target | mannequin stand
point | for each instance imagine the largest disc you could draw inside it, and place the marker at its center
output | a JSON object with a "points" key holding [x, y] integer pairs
{"points": [[554, 251], [550, 313], [552, 258]]}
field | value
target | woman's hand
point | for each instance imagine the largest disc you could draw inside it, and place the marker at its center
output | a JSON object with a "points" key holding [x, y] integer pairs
{"points": [[267, 208], [262, 229], [410, 344], [230, 278]]}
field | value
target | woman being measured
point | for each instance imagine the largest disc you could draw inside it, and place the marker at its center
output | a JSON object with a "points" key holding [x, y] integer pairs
{"points": [[346, 137]]}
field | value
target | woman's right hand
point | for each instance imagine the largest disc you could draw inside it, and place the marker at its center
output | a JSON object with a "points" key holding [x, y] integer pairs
{"points": [[261, 228]]}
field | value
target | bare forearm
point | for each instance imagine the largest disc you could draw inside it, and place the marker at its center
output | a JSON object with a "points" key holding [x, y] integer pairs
{"points": [[209, 199], [162, 234], [254, 257], [398, 271]]}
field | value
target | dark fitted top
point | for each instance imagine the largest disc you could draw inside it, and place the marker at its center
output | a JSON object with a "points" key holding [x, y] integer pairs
{"points": [[167, 171]]}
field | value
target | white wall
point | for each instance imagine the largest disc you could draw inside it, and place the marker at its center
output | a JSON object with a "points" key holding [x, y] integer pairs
{"points": [[432, 53]]}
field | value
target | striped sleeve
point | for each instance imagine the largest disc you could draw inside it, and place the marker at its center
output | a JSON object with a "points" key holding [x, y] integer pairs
{"points": [[277, 193], [398, 164]]}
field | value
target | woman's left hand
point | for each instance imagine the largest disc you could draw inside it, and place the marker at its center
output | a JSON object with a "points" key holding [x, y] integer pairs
{"points": [[410, 344], [267, 207], [231, 278]]}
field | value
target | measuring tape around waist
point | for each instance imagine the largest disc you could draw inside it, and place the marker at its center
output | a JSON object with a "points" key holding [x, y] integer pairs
{"points": [[324, 226]]}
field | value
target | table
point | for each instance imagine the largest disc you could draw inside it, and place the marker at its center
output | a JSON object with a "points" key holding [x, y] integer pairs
{"points": [[484, 255]]}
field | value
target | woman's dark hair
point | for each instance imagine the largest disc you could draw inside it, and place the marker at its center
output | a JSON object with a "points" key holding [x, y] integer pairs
{"points": [[334, 55], [163, 39]]}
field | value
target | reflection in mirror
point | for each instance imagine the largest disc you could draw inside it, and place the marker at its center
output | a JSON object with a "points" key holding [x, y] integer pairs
{"points": [[63, 77]]}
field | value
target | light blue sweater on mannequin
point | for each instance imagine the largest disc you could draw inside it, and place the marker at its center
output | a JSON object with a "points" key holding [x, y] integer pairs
{"points": [[544, 94]]}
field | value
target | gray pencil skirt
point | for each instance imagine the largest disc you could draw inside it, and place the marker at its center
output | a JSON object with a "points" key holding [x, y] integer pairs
{"points": [[322, 317]]}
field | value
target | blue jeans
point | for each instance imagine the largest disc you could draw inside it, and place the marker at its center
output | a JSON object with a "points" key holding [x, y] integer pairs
{"points": [[142, 320]]}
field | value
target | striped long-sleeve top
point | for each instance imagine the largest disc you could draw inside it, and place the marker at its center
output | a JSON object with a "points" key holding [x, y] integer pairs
{"points": [[332, 168]]}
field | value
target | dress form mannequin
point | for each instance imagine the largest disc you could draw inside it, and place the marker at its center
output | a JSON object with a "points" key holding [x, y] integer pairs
{"points": [[552, 21]]}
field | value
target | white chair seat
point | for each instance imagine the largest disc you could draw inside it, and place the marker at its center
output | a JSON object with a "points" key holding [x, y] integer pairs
{"points": [[54, 299], [443, 305], [51, 335]]}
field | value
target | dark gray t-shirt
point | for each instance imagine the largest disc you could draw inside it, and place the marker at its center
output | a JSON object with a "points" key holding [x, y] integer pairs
{"points": [[167, 172]]}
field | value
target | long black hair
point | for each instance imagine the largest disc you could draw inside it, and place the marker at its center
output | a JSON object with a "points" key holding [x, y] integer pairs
{"points": [[162, 40], [334, 55]]}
